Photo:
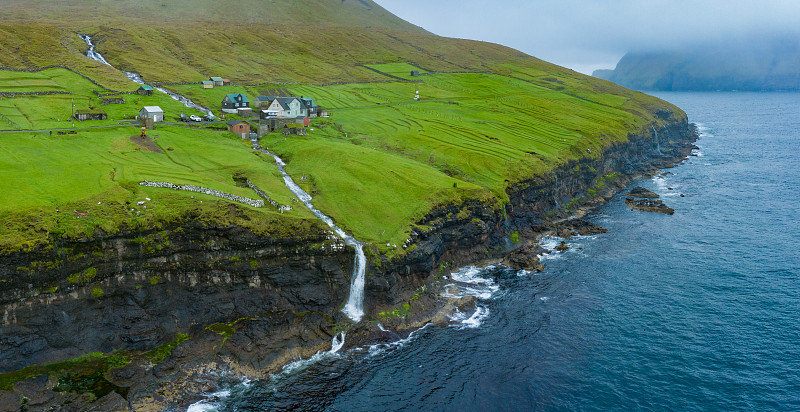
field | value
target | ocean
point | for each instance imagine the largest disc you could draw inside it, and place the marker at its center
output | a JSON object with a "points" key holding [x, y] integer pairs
{"points": [[699, 310]]}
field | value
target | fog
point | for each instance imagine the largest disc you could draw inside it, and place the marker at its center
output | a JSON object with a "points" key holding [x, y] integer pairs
{"points": [[594, 34]]}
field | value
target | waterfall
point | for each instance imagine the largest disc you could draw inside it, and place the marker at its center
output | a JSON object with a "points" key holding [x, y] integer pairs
{"points": [[92, 53], [136, 78], [354, 308], [658, 142]]}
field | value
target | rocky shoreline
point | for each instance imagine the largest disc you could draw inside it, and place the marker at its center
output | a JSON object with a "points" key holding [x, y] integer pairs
{"points": [[250, 304]]}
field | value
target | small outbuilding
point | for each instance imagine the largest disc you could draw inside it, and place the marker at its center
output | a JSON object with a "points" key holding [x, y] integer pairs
{"points": [[90, 115], [218, 81], [226, 82], [414, 73], [145, 90], [151, 112], [294, 128], [240, 128], [208, 84]]}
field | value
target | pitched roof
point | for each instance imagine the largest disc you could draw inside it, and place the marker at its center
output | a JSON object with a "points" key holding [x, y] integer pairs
{"points": [[152, 109], [232, 97], [235, 122], [263, 99], [146, 87], [308, 102], [216, 79], [207, 82], [284, 102]]}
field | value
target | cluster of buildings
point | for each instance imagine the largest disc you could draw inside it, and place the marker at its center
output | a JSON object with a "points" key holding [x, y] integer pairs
{"points": [[274, 112], [290, 114]]}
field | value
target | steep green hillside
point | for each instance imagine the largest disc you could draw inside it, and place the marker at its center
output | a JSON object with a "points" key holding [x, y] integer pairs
{"points": [[488, 117], [306, 14]]}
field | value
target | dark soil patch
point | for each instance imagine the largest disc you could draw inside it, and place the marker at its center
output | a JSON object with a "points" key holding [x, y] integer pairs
{"points": [[147, 143]]}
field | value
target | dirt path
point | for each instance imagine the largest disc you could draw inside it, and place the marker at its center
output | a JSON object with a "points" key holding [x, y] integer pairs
{"points": [[147, 143]]}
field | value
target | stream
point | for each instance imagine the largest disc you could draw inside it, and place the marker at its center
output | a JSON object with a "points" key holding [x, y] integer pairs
{"points": [[93, 54]]}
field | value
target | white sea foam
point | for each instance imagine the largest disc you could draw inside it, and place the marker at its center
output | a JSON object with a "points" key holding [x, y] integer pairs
{"points": [[477, 318], [208, 404], [703, 130], [468, 282], [381, 348]]}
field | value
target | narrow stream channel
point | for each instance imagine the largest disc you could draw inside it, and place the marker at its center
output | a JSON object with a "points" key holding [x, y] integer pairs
{"points": [[93, 54], [354, 308]]}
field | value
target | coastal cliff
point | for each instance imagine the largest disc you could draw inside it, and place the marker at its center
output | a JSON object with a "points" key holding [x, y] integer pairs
{"points": [[247, 303]]}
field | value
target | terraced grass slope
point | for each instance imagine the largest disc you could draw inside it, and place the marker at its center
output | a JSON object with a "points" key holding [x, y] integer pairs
{"points": [[488, 116]]}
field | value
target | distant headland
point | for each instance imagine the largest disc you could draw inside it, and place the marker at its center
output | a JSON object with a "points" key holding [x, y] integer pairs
{"points": [[747, 64]]}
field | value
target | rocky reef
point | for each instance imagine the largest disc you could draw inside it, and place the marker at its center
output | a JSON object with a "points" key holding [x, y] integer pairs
{"points": [[165, 309]]}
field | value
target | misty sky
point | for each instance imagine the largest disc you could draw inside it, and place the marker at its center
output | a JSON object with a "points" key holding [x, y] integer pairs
{"points": [[593, 34]]}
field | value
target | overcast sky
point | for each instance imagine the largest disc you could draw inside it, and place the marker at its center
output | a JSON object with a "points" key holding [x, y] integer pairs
{"points": [[593, 34]]}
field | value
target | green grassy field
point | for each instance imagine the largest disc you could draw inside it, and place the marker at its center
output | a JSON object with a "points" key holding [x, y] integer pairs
{"points": [[54, 111], [92, 178], [377, 165], [397, 69]]}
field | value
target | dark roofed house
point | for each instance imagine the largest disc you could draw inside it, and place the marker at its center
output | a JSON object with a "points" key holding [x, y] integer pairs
{"points": [[240, 128], [233, 102], [312, 110], [145, 90]]}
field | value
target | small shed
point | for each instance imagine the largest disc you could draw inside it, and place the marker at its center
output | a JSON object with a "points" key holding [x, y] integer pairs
{"points": [[226, 82], [218, 81], [414, 73], [240, 128], [90, 115], [294, 128], [151, 112], [304, 120], [208, 84], [145, 90]]}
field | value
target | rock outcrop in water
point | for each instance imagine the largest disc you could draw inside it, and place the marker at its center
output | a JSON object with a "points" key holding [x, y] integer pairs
{"points": [[649, 205], [250, 303], [643, 193]]}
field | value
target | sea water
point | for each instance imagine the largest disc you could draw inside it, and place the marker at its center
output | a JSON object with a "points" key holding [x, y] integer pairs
{"points": [[695, 311]]}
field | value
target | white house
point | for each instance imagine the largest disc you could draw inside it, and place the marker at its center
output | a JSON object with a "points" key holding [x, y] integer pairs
{"points": [[286, 107], [153, 112]]}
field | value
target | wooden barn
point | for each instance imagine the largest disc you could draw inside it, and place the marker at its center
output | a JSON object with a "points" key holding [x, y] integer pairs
{"points": [[240, 128]]}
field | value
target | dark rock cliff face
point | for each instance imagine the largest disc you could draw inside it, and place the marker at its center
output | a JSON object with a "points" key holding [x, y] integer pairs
{"points": [[252, 303], [136, 291]]}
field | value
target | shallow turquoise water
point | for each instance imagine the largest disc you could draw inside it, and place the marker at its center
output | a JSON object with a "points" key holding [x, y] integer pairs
{"points": [[695, 311]]}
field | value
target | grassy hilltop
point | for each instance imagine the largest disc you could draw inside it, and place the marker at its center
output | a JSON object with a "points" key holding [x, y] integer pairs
{"points": [[488, 116]]}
